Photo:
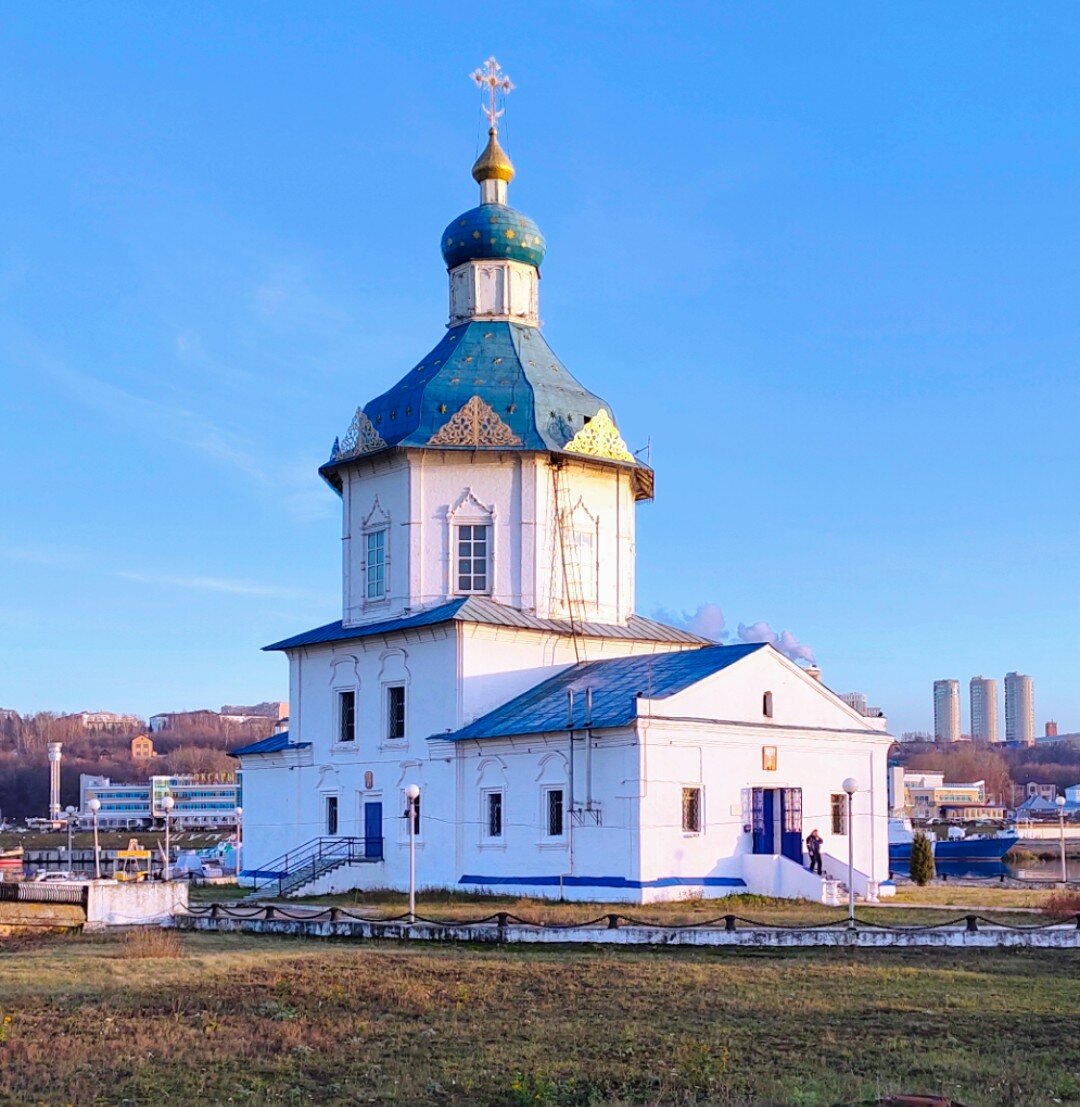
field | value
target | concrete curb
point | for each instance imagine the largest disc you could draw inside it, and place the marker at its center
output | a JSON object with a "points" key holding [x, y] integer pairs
{"points": [[1064, 936]]}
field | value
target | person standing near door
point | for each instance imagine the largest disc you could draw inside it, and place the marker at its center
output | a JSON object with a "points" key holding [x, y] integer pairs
{"points": [[813, 847]]}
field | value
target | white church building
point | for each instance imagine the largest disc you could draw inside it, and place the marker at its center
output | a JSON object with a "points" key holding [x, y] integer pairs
{"points": [[489, 653]]}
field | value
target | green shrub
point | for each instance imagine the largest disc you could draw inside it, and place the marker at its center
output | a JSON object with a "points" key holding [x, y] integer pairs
{"points": [[922, 860]]}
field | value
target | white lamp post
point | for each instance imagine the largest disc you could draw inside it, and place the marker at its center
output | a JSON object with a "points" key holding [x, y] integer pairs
{"points": [[70, 812], [167, 803], [1060, 801], [95, 807], [850, 786], [412, 794], [239, 839]]}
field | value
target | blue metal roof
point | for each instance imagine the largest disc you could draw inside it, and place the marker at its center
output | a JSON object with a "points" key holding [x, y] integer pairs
{"points": [[479, 609], [509, 366], [615, 686], [274, 744]]}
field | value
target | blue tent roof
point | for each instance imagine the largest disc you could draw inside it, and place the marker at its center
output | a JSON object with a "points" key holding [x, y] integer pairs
{"points": [[274, 744], [615, 686], [512, 370], [479, 609]]}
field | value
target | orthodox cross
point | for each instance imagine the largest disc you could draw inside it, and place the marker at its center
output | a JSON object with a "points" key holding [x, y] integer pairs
{"points": [[490, 79]]}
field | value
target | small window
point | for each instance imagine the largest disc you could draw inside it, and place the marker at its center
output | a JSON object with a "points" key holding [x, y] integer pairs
{"points": [[766, 705], [331, 815], [472, 557], [494, 814], [375, 566], [768, 759], [838, 805], [395, 711], [691, 810], [346, 716], [555, 813]]}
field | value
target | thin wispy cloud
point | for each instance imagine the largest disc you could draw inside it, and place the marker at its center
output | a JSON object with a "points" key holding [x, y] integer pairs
{"points": [[226, 586], [229, 447]]}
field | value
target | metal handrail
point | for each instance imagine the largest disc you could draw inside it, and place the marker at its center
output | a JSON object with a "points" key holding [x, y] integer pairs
{"points": [[321, 854]]}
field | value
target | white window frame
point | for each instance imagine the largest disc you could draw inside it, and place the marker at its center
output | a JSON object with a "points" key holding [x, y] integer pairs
{"points": [[375, 521], [545, 808], [468, 511], [384, 565], [460, 526], [486, 837], [690, 832]]}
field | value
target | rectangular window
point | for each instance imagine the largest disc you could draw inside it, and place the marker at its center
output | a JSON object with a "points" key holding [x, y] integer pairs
{"points": [[691, 810], [555, 813], [768, 759], [838, 806], [331, 815], [415, 815], [395, 711], [376, 565], [346, 716], [494, 814], [472, 558]]}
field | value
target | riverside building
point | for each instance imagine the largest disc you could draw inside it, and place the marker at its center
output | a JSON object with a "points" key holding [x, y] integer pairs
{"points": [[488, 650]]}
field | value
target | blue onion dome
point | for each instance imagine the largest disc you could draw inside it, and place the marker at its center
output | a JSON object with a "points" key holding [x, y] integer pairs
{"points": [[493, 231]]}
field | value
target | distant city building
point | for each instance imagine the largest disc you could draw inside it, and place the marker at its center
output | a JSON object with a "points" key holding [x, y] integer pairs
{"points": [[857, 700], [947, 710], [1051, 729], [984, 710], [272, 709], [925, 795], [200, 799], [142, 748], [230, 713], [103, 720], [1019, 709], [1033, 789]]}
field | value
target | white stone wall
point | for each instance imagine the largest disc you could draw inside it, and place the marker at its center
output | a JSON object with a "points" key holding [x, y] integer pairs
{"points": [[420, 497]]}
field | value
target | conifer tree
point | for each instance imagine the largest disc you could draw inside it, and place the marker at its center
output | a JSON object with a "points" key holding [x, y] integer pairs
{"points": [[922, 860]]}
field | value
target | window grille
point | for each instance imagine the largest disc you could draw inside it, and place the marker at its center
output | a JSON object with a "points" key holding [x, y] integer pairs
{"points": [[331, 815], [346, 716], [691, 810], [555, 813], [472, 557], [494, 815], [395, 712]]}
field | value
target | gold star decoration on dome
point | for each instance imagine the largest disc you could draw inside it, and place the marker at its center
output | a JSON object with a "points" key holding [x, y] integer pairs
{"points": [[491, 80]]}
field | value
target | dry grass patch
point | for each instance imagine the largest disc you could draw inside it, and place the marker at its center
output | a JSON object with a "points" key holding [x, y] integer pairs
{"points": [[152, 942]]}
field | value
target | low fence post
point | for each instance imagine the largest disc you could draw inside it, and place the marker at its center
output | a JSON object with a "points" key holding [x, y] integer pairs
{"points": [[613, 922], [729, 922], [268, 913], [972, 924]]}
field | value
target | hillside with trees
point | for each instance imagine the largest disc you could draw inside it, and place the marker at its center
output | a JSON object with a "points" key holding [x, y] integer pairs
{"points": [[198, 743]]}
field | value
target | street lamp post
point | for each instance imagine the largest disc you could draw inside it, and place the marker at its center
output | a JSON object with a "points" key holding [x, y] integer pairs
{"points": [[167, 803], [1060, 801], [412, 794], [850, 786], [95, 807], [239, 839]]}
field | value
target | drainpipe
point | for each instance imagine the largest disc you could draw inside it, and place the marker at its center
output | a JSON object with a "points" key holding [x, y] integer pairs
{"points": [[569, 813], [588, 750]]}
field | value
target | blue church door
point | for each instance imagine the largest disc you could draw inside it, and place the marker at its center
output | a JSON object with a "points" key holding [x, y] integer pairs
{"points": [[373, 843], [777, 822]]}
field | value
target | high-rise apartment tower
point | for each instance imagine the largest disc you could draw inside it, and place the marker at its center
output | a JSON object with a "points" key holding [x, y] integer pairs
{"points": [[946, 711], [984, 710], [1019, 709]]}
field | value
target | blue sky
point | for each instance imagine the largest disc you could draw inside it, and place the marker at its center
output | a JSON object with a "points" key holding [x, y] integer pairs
{"points": [[824, 256]]}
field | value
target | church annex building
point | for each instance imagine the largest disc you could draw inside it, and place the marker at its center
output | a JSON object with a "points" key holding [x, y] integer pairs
{"points": [[489, 653]]}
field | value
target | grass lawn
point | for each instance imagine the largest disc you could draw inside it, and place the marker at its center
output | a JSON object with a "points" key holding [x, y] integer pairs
{"points": [[245, 1019]]}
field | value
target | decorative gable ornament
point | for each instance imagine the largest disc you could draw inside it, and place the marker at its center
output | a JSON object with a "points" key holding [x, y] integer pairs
{"points": [[475, 424], [360, 438], [599, 438]]}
